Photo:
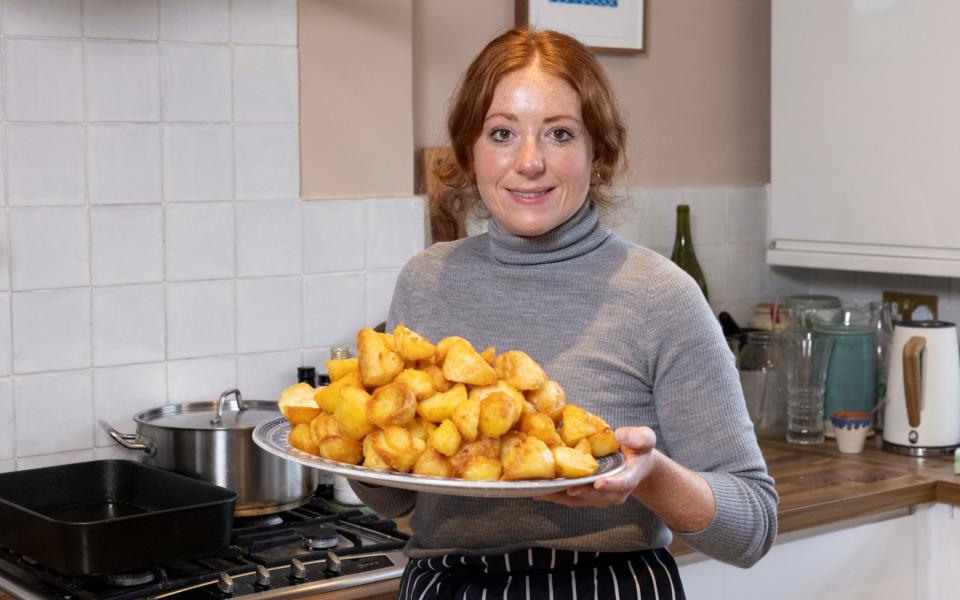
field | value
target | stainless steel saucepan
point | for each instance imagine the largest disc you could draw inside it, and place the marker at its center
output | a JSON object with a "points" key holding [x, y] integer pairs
{"points": [[206, 441]]}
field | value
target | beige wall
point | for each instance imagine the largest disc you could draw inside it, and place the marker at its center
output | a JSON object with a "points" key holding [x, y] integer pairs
{"points": [[697, 104]]}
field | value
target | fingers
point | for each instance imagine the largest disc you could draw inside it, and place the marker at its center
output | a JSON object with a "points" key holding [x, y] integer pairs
{"points": [[642, 439]]}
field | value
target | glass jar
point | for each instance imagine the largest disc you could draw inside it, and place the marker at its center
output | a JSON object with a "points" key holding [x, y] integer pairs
{"points": [[762, 383]]}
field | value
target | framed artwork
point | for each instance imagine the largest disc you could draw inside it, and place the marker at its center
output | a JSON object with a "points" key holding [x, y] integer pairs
{"points": [[605, 25]]}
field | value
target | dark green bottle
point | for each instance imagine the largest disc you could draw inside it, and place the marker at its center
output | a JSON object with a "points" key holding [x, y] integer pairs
{"points": [[683, 253]]}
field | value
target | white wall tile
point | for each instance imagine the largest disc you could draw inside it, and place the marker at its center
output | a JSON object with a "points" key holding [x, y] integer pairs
{"points": [[394, 232], [746, 268], [124, 19], [126, 244], [6, 336], [197, 162], [124, 164], [264, 376], [119, 393], [268, 314], [200, 379], [51, 330], [4, 251], [265, 84], [196, 82], [267, 161], [787, 281], [379, 293], [334, 309], [122, 81], [332, 230], [268, 237], [708, 214], [264, 22], [49, 247], [199, 241], [8, 466], [7, 430], [659, 225], [55, 460], [195, 20], [316, 357], [200, 319], [128, 325], [48, 18], [3, 144], [43, 80], [53, 402], [45, 164], [628, 216], [746, 214], [713, 263]]}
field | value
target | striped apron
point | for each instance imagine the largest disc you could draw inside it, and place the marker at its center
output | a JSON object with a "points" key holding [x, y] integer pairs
{"points": [[544, 573]]}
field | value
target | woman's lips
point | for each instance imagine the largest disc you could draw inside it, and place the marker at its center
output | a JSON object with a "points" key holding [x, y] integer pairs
{"points": [[535, 196]]}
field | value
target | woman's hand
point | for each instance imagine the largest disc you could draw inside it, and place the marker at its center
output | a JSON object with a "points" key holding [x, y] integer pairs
{"points": [[637, 445]]}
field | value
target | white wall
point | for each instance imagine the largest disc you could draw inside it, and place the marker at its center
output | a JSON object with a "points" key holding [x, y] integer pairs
{"points": [[153, 248]]}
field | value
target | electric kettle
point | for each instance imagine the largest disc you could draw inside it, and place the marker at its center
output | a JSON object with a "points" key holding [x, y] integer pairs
{"points": [[922, 409]]}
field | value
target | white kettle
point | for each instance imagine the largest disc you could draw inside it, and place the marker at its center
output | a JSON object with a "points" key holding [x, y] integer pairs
{"points": [[922, 412]]}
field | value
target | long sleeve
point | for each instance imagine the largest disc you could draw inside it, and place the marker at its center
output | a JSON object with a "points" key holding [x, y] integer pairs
{"points": [[703, 420]]}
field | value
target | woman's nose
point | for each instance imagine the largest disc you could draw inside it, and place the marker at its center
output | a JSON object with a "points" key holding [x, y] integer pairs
{"points": [[530, 161]]}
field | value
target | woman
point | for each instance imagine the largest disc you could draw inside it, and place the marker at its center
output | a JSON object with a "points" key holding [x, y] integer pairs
{"points": [[628, 335]]}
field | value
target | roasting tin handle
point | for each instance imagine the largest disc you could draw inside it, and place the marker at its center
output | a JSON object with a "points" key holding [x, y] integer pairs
{"points": [[130, 441], [223, 400]]}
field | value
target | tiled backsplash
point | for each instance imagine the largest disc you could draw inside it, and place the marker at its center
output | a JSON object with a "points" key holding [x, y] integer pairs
{"points": [[153, 247]]}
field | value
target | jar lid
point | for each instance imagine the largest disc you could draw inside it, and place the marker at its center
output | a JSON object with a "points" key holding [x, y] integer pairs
{"points": [[813, 301], [197, 415]]}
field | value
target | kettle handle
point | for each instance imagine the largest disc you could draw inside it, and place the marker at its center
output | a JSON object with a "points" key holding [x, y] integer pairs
{"points": [[913, 352]]}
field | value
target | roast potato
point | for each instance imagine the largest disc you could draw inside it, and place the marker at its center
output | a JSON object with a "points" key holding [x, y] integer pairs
{"points": [[577, 424], [352, 413], [338, 367], [301, 438], [441, 405], [462, 364], [549, 399], [392, 404], [419, 382], [328, 397], [434, 464], [569, 462], [411, 345], [497, 415], [533, 460], [466, 416], [446, 438], [378, 362], [398, 447], [297, 404], [520, 370]]}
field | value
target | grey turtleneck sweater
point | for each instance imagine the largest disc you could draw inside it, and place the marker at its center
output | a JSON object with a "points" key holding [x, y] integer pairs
{"points": [[630, 338]]}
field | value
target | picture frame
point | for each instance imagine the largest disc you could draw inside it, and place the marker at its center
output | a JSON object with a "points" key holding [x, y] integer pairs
{"points": [[617, 26]]}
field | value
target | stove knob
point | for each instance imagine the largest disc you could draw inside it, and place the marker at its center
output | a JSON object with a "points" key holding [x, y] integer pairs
{"points": [[225, 583], [332, 565], [298, 572], [262, 578]]}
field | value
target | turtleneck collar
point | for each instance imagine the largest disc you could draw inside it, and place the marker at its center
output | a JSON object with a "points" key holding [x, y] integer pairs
{"points": [[578, 235]]}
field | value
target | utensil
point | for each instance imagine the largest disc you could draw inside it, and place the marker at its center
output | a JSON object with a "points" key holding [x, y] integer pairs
{"points": [[272, 437], [211, 442], [111, 515], [922, 412]]}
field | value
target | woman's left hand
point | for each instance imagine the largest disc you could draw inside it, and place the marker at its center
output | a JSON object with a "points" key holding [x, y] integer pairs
{"points": [[637, 445]]}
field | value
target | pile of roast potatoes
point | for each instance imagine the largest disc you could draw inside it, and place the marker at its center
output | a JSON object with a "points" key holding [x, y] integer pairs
{"points": [[408, 405]]}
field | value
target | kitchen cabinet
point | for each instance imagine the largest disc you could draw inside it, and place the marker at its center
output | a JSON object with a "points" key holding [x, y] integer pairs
{"points": [[865, 136]]}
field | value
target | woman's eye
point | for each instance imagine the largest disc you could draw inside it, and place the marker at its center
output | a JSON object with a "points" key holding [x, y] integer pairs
{"points": [[500, 134], [561, 135]]}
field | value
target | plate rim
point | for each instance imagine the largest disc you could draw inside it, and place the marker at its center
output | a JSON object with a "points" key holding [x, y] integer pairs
{"points": [[410, 481]]}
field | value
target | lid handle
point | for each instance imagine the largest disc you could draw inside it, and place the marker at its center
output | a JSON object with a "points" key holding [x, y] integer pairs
{"points": [[223, 400]]}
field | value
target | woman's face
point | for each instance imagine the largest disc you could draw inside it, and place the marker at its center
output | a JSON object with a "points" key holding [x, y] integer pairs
{"points": [[534, 158]]}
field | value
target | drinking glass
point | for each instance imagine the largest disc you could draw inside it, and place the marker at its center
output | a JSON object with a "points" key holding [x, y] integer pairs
{"points": [[806, 357]]}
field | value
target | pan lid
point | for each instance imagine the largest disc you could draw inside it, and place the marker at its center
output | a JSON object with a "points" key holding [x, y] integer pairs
{"points": [[220, 414]]}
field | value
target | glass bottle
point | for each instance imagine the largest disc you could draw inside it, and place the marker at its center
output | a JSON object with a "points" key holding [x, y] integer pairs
{"points": [[683, 254]]}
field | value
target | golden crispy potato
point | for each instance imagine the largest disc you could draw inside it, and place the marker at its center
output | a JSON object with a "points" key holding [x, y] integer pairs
{"points": [[338, 367], [371, 459], [549, 399], [352, 413], [603, 443], [482, 391], [533, 460], [497, 414], [423, 363], [440, 406], [520, 370], [444, 345], [510, 444], [419, 382], [392, 404], [297, 404], [378, 363], [411, 345], [481, 468], [573, 463], [398, 447], [324, 425], [541, 427], [577, 424], [342, 448], [463, 364], [436, 374], [489, 355], [478, 460], [527, 409], [328, 397], [434, 464], [446, 438], [583, 446], [301, 438], [389, 340], [466, 416], [421, 428]]}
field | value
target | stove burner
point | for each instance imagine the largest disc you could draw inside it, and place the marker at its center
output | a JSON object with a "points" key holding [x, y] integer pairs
{"points": [[320, 538], [258, 521], [132, 579]]}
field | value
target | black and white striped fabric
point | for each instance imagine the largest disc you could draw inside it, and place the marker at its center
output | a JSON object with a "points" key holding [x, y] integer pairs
{"points": [[544, 573]]}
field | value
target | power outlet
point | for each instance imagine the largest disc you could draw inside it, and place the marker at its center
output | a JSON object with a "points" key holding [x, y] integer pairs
{"points": [[908, 302]]}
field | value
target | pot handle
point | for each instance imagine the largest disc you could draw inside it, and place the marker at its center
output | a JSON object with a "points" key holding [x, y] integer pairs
{"points": [[223, 400], [129, 440]]}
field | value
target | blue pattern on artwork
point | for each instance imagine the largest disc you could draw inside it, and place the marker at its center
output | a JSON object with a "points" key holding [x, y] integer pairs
{"points": [[610, 3]]}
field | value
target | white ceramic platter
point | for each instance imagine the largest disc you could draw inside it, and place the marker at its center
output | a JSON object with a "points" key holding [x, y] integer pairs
{"points": [[272, 437]]}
